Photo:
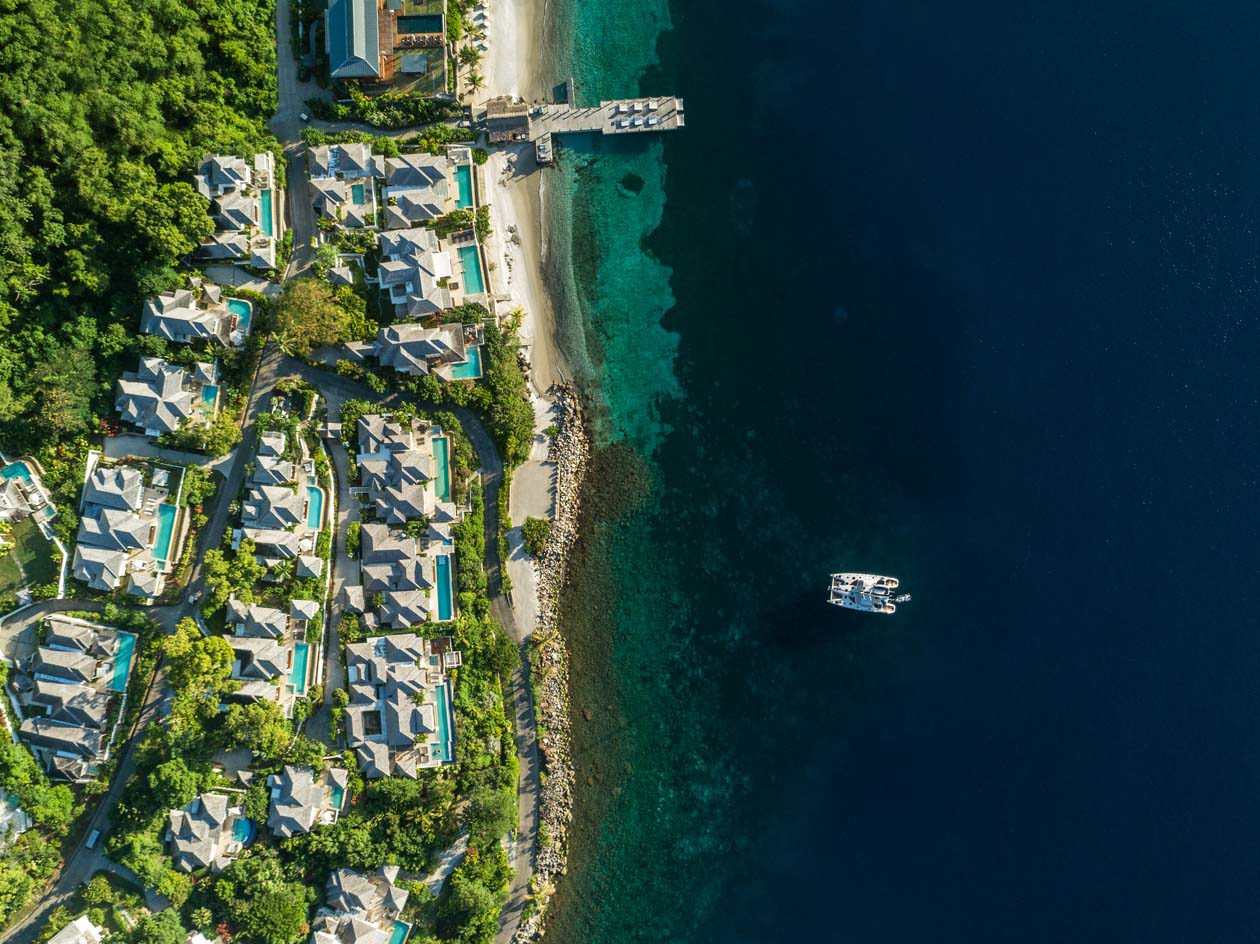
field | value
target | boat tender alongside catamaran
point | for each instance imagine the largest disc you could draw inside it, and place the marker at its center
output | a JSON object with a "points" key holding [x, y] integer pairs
{"points": [[870, 593]]}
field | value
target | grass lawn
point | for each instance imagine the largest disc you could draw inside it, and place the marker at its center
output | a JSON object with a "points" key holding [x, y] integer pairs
{"points": [[34, 551]]}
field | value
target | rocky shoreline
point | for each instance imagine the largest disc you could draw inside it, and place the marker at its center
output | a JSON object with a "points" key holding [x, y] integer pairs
{"points": [[570, 450]]}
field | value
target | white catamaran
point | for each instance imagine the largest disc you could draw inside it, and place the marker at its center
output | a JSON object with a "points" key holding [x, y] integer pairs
{"points": [[870, 593]]}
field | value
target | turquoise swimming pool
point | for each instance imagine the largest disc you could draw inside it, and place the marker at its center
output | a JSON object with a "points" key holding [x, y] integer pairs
{"points": [[445, 751], [16, 470], [443, 564], [400, 932], [314, 507], [473, 285], [358, 196], [297, 675], [209, 395], [442, 459], [122, 662], [166, 528], [244, 312], [267, 221], [470, 369], [463, 177], [338, 797], [243, 831]]}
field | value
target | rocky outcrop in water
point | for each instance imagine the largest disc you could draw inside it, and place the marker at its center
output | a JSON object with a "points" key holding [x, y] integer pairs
{"points": [[569, 450]]}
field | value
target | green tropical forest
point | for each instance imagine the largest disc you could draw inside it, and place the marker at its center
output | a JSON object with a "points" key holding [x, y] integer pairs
{"points": [[105, 109]]}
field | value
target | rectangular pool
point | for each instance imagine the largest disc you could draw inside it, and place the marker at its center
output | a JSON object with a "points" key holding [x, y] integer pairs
{"points": [[463, 177], [430, 23], [122, 662], [166, 528], [358, 196], [445, 751], [473, 285], [264, 200], [470, 369], [244, 313], [338, 797], [314, 507], [209, 395], [443, 564], [297, 675], [442, 459]]}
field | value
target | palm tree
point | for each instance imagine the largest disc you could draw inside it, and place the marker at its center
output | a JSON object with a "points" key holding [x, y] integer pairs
{"points": [[469, 56], [475, 81]]}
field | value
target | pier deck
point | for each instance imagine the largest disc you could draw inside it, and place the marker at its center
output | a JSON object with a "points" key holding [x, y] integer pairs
{"points": [[619, 116]]}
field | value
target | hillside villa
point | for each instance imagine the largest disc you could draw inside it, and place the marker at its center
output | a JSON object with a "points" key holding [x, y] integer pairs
{"points": [[65, 691], [127, 532], [159, 397]]}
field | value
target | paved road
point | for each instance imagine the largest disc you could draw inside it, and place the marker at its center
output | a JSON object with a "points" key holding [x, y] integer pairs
{"points": [[287, 126]]}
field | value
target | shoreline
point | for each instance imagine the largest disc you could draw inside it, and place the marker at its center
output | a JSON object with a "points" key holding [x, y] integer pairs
{"points": [[516, 191], [516, 188]]}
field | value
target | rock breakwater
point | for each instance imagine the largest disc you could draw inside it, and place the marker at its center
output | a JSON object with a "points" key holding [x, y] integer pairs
{"points": [[570, 450]]}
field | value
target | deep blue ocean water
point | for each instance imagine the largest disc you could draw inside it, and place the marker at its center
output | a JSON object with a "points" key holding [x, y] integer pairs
{"points": [[964, 294]]}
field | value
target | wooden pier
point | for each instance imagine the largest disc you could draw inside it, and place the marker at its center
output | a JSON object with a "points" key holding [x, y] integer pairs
{"points": [[619, 116]]}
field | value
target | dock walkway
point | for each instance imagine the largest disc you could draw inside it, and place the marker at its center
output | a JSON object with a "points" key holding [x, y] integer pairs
{"points": [[619, 116]]}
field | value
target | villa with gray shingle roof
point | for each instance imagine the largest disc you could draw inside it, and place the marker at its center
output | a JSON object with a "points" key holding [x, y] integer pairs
{"points": [[119, 529], [413, 348], [189, 314], [66, 688], [361, 909], [272, 507], [416, 189], [302, 799], [392, 721], [343, 183], [413, 271], [201, 833], [160, 397], [238, 194]]}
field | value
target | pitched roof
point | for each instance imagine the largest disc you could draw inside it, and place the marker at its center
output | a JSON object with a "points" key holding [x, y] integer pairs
{"points": [[353, 40], [414, 349], [158, 396]]}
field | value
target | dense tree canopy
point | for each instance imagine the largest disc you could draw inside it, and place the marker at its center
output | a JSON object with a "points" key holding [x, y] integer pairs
{"points": [[310, 313], [105, 109]]}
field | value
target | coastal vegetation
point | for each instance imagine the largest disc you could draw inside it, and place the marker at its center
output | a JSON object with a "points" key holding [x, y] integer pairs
{"points": [[535, 531], [96, 206], [392, 110], [310, 313]]}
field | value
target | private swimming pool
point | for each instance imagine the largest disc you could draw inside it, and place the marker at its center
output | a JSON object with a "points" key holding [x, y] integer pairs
{"points": [[443, 564], [463, 177], [16, 470], [122, 662], [431, 23], [314, 507], [442, 459], [358, 196], [244, 312], [338, 797], [400, 932], [265, 201], [166, 528], [473, 285], [445, 751], [470, 369], [297, 675], [209, 395], [243, 831]]}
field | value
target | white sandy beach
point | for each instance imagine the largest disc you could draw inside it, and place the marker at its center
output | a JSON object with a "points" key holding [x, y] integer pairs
{"points": [[516, 188]]}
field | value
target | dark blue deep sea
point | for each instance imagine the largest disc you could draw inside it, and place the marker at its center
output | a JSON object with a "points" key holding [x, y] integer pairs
{"points": [[962, 293]]}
